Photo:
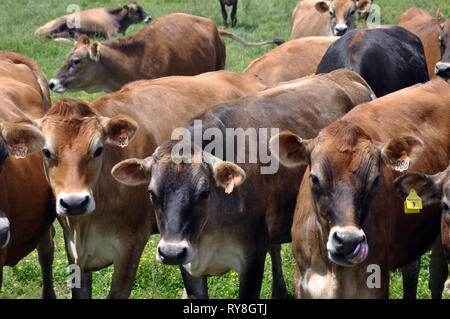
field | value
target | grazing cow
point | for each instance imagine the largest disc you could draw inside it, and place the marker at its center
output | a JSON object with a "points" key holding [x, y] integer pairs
{"points": [[432, 189], [174, 44], [428, 29], [233, 4], [388, 58], [102, 22], [293, 60], [349, 222], [325, 18], [83, 142], [210, 231], [26, 210]]}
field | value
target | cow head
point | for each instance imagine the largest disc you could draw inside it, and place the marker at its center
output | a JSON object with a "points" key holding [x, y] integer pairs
{"points": [[342, 13], [442, 68], [181, 193], [431, 189], [81, 71], [136, 13], [346, 174], [73, 142]]}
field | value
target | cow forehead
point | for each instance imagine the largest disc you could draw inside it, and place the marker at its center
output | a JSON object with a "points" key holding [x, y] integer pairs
{"points": [[342, 5]]}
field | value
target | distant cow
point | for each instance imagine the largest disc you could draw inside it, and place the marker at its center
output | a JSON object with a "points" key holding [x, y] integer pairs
{"points": [[428, 29], [215, 215], [234, 4], [104, 222], [325, 18], [26, 210], [389, 58], [293, 60], [101, 22], [431, 189], [348, 215], [174, 44]]}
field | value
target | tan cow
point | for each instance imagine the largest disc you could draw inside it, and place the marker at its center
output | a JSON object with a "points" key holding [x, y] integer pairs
{"points": [[428, 29], [26, 210], [349, 221], [432, 189], [174, 44], [104, 222], [292, 60], [102, 22], [325, 18]]}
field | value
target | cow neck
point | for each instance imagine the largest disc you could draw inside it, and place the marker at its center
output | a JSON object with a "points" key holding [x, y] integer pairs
{"points": [[76, 230]]}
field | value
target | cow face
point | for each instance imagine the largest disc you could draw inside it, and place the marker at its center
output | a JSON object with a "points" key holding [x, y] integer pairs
{"points": [[431, 189], [136, 13], [342, 13], [181, 194], [81, 71], [443, 67], [74, 139], [346, 174]]}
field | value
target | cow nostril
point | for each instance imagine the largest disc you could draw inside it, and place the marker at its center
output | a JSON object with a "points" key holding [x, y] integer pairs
{"points": [[85, 202], [338, 241], [63, 203], [51, 85]]}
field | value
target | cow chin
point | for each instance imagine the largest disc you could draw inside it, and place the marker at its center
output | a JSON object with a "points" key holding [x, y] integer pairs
{"points": [[347, 246]]}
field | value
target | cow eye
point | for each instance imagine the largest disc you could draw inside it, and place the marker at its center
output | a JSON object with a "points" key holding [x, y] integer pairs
{"points": [[331, 11], [153, 196], [441, 39], [376, 181], [204, 195], [444, 207], [75, 61], [47, 153], [314, 179], [352, 11], [98, 151]]}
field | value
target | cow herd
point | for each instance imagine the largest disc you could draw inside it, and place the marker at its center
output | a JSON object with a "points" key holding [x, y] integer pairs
{"points": [[321, 142]]}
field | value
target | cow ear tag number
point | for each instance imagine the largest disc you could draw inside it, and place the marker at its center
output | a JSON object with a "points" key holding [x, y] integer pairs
{"points": [[402, 163], [19, 150], [123, 139], [413, 203]]}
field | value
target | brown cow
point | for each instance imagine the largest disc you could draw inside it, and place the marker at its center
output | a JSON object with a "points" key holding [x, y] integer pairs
{"points": [[432, 189], [428, 29], [26, 206], [174, 44], [349, 221], [208, 221], [325, 18], [82, 145], [102, 22], [292, 60]]}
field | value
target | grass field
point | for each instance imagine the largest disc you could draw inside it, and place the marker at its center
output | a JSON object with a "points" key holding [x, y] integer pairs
{"points": [[257, 20]]}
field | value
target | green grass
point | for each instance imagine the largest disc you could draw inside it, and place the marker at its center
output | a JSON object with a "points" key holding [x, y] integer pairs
{"points": [[258, 20]]}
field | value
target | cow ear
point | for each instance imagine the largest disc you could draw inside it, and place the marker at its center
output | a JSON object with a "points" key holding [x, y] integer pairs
{"points": [[228, 175], [133, 171], [429, 188], [290, 149], [22, 138], [94, 51], [322, 6], [400, 152], [83, 40], [441, 18], [363, 5], [125, 9], [119, 130]]}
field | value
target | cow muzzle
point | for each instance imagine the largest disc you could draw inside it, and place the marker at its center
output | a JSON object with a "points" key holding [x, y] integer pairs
{"points": [[442, 69], [340, 29], [5, 233], [174, 252], [56, 86], [147, 19], [75, 204], [347, 246]]}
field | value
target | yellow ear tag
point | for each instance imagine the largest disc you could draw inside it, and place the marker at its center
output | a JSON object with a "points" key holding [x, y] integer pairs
{"points": [[413, 203]]}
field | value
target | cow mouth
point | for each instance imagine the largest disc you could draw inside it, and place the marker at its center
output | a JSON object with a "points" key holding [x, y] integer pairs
{"points": [[56, 86], [358, 255]]}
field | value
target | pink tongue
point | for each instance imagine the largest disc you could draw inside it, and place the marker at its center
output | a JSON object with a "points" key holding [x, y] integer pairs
{"points": [[362, 254]]}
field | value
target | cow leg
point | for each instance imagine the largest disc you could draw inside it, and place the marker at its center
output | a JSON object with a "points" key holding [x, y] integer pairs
{"points": [[46, 250], [438, 270], [410, 275], [233, 14], [279, 290], [85, 289], [224, 14], [2, 263], [196, 288], [250, 279]]}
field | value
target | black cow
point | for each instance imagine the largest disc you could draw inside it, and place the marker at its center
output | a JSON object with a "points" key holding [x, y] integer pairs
{"points": [[389, 58], [214, 215], [232, 3]]}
